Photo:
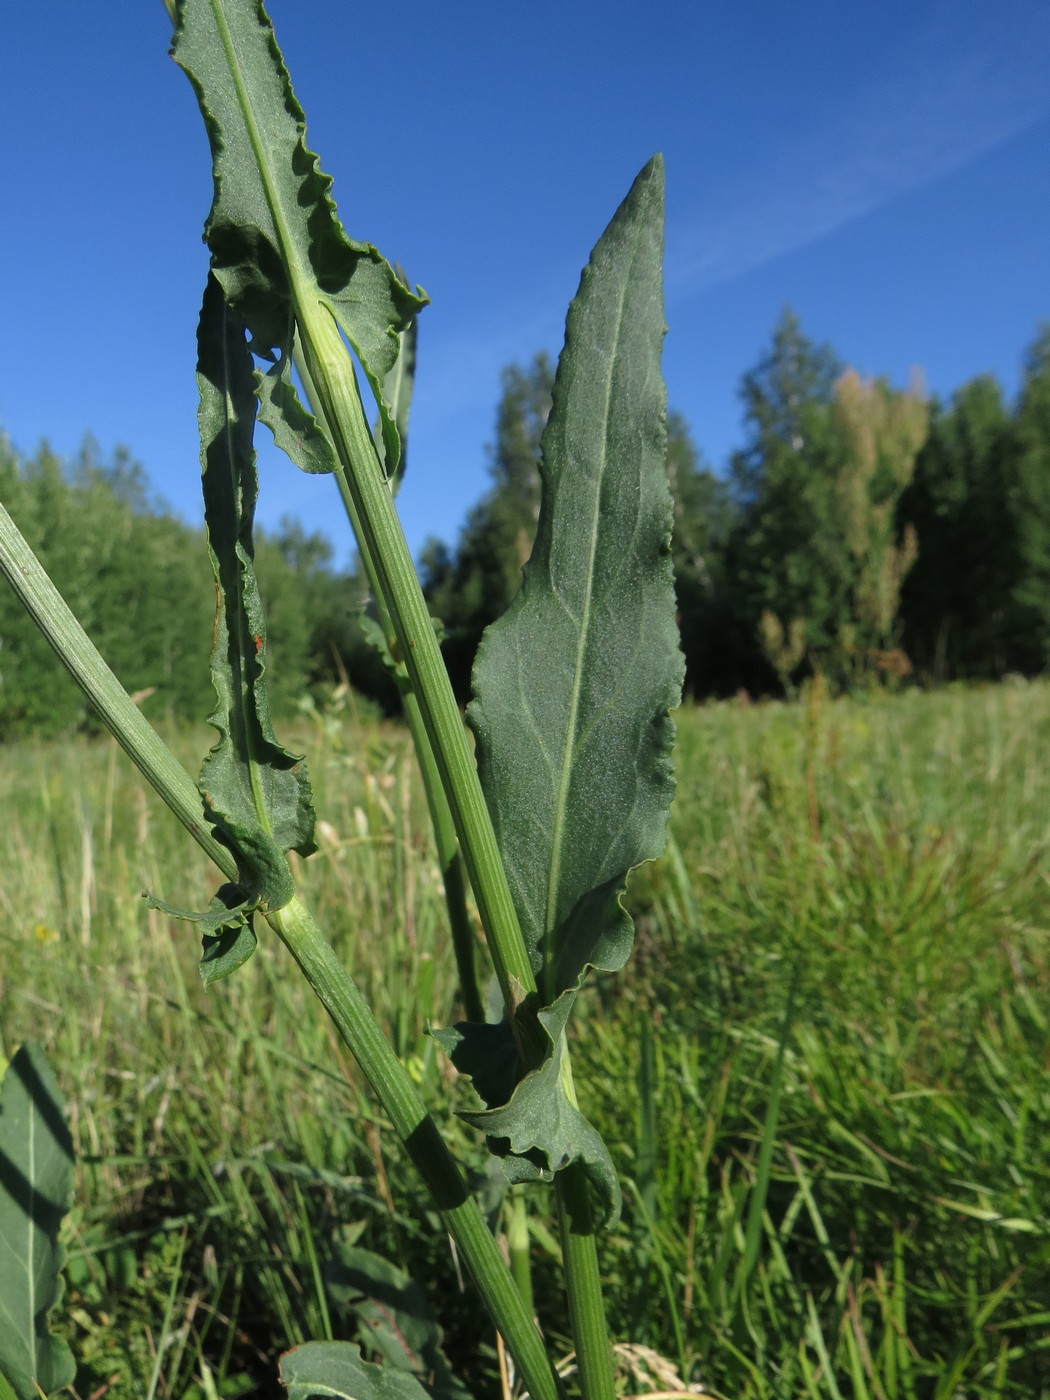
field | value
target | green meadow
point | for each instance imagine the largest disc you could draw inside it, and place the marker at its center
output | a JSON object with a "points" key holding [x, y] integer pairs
{"points": [[824, 1077]]}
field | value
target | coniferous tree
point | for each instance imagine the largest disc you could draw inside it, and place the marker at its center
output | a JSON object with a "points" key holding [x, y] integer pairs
{"points": [[1031, 499], [815, 563], [960, 615], [788, 565]]}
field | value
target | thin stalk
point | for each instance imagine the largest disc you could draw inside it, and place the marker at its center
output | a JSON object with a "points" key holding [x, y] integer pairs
{"points": [[417, 1130], [583, 1284], [118, 712], [583, 1280], [450, 858], [335, 383], [518, 1247]]}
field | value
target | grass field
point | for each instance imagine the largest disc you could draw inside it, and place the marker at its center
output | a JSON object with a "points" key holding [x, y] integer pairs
{"points": [[825, 1077]]}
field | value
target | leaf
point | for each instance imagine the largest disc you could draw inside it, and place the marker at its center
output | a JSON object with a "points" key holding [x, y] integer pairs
{"points": [[273, 230], [398, 386], [255, 792], [536, 1128], [574, 683], [36, 1184], [335, 1369], [227, 936], [394, 1317]]}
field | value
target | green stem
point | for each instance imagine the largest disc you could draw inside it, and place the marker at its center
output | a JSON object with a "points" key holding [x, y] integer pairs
{"points": [[118, 712], [332, 373], [450, 858], [518, 1247], [417, 1130], [583, 1284]]}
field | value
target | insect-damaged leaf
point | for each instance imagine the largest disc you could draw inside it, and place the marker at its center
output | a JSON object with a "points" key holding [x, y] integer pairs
{"points": [[255, 792], [273, 230], [574, 683], [36, 1181]]}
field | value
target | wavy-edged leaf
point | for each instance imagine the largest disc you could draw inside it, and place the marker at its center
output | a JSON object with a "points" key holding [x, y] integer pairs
{"points": [[273, 230], [536, 1127], [574, 684], [227, 937], [335, 1371], [36, 1183], [255, 792]]}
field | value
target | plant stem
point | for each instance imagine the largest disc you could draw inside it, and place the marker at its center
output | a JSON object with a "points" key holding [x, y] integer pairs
{"points": [[517, 1212], [118, 712], [583, 1283], [332, 373], [417, 1130], [450, 858]]}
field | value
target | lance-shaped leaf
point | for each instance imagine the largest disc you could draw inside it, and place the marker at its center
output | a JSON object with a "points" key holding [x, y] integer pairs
{"points": [[274, 234], [574, 683], [255, 791], [335, 1370], [36, 1182]]}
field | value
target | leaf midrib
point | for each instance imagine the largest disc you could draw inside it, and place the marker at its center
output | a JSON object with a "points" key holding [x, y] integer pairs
{"points": [[561, 805], [287, 250]]}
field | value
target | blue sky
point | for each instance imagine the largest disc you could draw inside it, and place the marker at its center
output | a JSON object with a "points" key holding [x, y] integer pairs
{"points": [[882, 167]]}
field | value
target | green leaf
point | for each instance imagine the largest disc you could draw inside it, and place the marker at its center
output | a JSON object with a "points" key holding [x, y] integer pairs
{"points": [[536, 1128], [574, 683], [335, 1369], [393, 1316], [256, 793], [273, 231], [398, 385], [227, 937], [36, 1183]]}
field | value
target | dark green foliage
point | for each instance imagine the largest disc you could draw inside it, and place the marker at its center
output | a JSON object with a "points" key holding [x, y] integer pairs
{"points": [[119, 558], [1032, 498], [960, 616], [120, 555], [786, 556], [272, 228], [815, 562]]}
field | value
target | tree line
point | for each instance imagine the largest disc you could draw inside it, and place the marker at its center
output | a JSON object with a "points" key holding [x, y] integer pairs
{"points": [[862, 531], [138, 578]]}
